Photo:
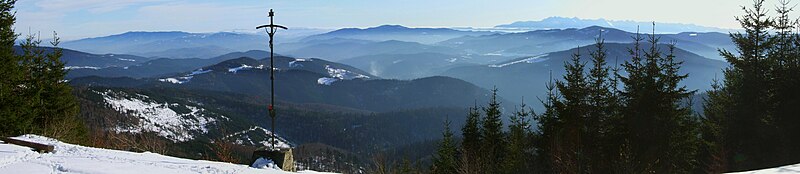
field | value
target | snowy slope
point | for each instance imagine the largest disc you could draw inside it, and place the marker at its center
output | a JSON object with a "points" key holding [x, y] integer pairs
{"points": [[69, 158], [251, 137], [795, 168], [338, 74], [160, 117]]}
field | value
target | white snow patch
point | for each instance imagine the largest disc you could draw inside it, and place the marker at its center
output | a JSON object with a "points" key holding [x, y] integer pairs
{"points": [[183, 79], [81, 67], [451, 60], [237, 69], [295, 64], [129, 60], [157, 117], [794, 168], [343, 73], [338, 74], [69, 158], [173, 80], [533, 59], [243, 139], [199, 71], [326, 81], [264, 163]]}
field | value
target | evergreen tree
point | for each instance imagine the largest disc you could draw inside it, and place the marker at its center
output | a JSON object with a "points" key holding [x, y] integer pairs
{"points": [[445, 160], [785, 58], [752, 117], [470, 146], [572, 111], [661, 133], [35, 96], [11, 122], [547, 124], [492, 144], [602, 108], [518, 150]]}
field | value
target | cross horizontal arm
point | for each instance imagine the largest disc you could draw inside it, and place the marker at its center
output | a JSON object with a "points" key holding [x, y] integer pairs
{"points": [[272, 26]]}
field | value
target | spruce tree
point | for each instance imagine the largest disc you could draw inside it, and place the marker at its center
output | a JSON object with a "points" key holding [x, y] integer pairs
{"points": [[660, 131], [572, 111], [746, 120], [11, 122], [445, 160], [547, 123], [518, 151], [470, 146], [492, 144], [36, 98], [602, 104], [752, 117], [785, 62]]}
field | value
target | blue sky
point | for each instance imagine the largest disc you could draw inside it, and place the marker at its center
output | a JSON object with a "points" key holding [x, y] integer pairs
{"points": [[74, 19]]}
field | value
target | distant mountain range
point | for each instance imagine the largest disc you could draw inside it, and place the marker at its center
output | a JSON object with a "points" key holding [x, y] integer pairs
{"points": [[171, 44], [396, 32], [545, 41], [81, 60], [627, 25], [527, 76], [150, 68], [311, 81], [356, 91]]}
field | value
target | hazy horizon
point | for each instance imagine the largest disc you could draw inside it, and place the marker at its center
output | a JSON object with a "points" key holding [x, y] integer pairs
{"points": [[74, 19]]}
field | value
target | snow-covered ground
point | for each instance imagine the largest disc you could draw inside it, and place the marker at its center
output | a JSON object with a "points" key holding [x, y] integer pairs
{"points": [[338, 74], [159, 117], [795, 168], [237, 69], [183, 79], [69, 158], [243, 137]]}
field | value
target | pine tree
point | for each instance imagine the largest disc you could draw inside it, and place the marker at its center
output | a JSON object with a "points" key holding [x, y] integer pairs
{"points": [[445, 160], [572, 111], [35, 97], [745, 87], [661, 133], [11, 122], [547, 124], [518, 150], [752, 117], [601, 111], [470, 146], [785, 59], [492, 144]]}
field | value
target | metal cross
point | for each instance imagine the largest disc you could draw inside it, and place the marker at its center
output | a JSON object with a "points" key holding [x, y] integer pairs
{"points": [[271, 29]]}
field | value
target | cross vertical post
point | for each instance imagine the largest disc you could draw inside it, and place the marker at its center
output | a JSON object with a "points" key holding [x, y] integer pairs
{"points": [[271, 28]]}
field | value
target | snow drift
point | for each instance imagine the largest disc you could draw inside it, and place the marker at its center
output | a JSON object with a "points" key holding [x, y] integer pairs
{"points": [[69, 158]]}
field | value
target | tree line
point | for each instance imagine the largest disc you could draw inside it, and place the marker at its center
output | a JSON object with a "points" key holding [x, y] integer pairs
{"points": [[34, 97], [636, 117]]}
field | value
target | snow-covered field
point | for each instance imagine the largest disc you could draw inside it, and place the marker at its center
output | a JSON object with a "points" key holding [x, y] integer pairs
{"points": [[69, 158]]}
